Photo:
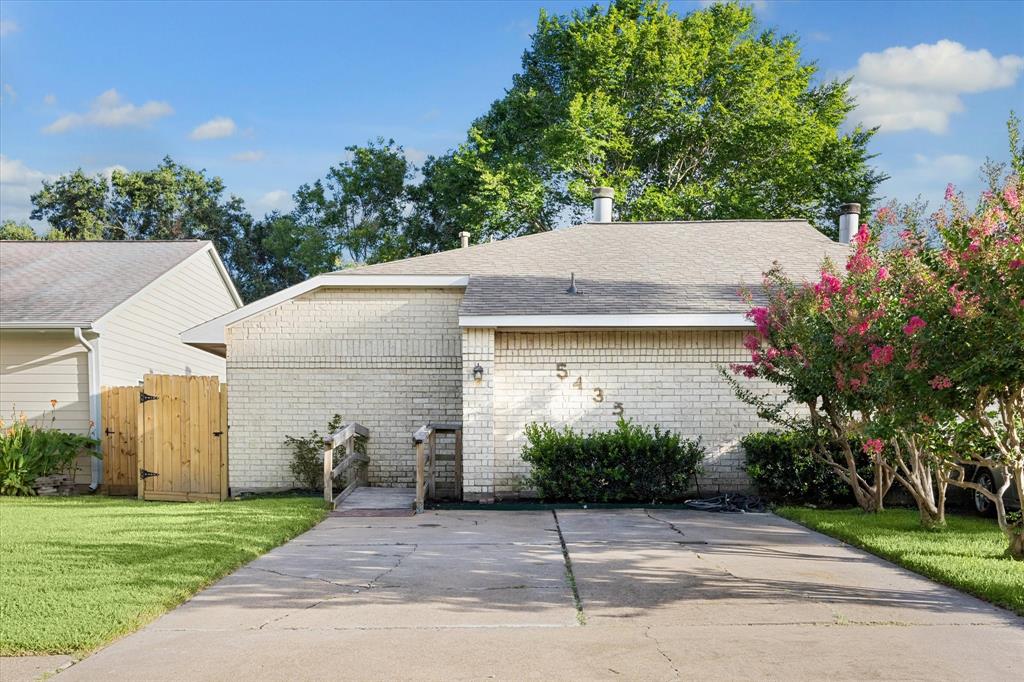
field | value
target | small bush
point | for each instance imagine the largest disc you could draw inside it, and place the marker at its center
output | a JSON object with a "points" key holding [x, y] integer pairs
{"points": [[307, 463], [784, 470], [28, 451], [632, 463]]}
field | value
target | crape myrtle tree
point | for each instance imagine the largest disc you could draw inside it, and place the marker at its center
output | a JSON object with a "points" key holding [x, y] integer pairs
{"points": [[968, 304], [917, 350]]}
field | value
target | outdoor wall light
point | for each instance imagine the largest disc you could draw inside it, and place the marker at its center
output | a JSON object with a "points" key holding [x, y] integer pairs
{"points": [[478, 372]]}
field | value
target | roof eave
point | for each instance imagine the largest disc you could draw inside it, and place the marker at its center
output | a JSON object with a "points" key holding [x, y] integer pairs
{"points": [[623, 321]]}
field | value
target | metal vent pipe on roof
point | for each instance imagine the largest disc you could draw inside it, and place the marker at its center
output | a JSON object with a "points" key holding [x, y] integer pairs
{"points": [[849, 222], [603, 197], [464, 239]]}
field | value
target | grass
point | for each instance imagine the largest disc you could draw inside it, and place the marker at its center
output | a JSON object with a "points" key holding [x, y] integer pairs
{"points": [[968, 554], [76, 573]]}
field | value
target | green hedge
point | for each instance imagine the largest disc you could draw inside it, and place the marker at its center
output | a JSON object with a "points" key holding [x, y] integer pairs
{"points": [[782, 467], [631, 463]]}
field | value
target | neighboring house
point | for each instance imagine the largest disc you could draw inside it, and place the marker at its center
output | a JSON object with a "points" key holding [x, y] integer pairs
{"points": [[76, 316], [656, 313]]}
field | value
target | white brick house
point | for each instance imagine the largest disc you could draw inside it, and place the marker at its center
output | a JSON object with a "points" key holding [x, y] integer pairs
{"points": [[394, 346]]}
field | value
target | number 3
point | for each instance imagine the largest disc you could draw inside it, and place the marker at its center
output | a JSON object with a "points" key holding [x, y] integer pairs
{"points": [[561, 371], [598, 395]]}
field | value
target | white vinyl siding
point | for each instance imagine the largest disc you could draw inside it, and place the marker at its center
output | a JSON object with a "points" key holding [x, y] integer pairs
{"points": [[37, 367], [142, 335]]}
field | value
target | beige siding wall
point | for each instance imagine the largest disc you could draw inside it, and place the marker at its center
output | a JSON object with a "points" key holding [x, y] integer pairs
{"points": [[141, 336], [669, 378], [388, 358], [37, 367]]}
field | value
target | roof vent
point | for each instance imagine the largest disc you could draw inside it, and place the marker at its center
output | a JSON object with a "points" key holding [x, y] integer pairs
{"points": [[572, 285], [464, 239], [603, 197], [849, 217]]}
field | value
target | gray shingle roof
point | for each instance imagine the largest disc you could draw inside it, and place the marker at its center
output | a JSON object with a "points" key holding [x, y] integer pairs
{"points": [[78, 282], [625, 268]]}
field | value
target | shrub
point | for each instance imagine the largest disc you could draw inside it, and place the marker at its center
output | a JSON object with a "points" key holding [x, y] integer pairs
{"points": [[784, 470], [631, 463], [307, 464], [28, 451]]}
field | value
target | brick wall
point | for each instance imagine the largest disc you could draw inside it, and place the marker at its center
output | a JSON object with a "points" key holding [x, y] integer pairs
{"points": [[669, 378], [390, 359]]}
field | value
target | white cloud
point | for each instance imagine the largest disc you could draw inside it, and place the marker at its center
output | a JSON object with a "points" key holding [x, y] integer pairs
{"points": [[109, 110], [277, 199], [50, 100], [214, 129], [250, 156], [7, 27], [17, 184], [920, 87], [415, 156]]}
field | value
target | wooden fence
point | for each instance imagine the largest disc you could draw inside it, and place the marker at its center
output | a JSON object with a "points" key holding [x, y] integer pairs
{"points": [[167, 438]]}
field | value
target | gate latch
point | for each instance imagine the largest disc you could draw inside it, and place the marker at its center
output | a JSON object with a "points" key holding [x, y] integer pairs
{"points": [[218, 433], [143, 474], [143, 397], [109, 432]]}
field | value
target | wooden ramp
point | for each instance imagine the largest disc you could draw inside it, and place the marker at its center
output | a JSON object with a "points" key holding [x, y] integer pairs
{"points": [[365, 501]]}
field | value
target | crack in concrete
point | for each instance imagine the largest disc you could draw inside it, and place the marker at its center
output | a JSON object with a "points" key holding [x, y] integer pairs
{"points": [[397, 564], [657, 645], [581, 617]]}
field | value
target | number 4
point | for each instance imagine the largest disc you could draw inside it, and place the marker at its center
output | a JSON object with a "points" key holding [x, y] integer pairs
{"points": [[578, 383]]}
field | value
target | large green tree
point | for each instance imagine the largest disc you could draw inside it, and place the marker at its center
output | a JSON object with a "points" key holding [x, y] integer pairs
{"points": [[687, 117], [359, 207]]}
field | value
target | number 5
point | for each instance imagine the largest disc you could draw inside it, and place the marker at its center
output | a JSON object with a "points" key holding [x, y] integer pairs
{"points": [[561, 371], [618, 410]]}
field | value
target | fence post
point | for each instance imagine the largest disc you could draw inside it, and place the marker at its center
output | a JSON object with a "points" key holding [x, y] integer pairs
{"points": [[328, 471], [419, 476]]}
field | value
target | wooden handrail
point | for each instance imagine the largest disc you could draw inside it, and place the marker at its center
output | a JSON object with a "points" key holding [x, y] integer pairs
{"points": [[425, 439], [346, 435]]}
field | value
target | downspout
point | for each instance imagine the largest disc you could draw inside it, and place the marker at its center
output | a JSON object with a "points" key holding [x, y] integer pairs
{"points": [[93, 367]]}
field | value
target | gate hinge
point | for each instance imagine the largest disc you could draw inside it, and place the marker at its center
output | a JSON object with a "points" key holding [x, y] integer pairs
{"points": [[218, 433], [109, 432], [143, 474], [143, 397]]}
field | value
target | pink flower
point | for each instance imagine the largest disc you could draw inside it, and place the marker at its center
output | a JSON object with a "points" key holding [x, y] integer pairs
{"points": [[839, 341], [882, 355], [829, 284], [883, 274], [1016, 263], [1010, 194], [761, 319], [751, 342], [914, 325], [873, 446], [940, 381], [748, 371], [950, 191]]}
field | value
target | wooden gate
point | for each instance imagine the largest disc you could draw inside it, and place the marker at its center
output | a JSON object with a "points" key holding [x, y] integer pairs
{"points": [[119, 408], [182, 438], [166, 440]]}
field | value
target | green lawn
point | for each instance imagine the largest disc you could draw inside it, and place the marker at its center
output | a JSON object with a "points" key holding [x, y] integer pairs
{"points": [[77, 572], [967, 555]]}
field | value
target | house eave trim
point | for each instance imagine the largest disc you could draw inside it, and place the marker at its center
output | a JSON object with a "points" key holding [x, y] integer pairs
{"points": [[44, 325], [646, 321], [212, 332]]}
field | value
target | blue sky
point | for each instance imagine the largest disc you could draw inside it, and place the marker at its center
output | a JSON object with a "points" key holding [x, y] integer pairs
{"points": [[267, 95]]}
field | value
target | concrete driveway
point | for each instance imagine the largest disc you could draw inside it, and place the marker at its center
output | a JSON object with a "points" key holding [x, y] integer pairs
{"points": [[656, 595]]}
